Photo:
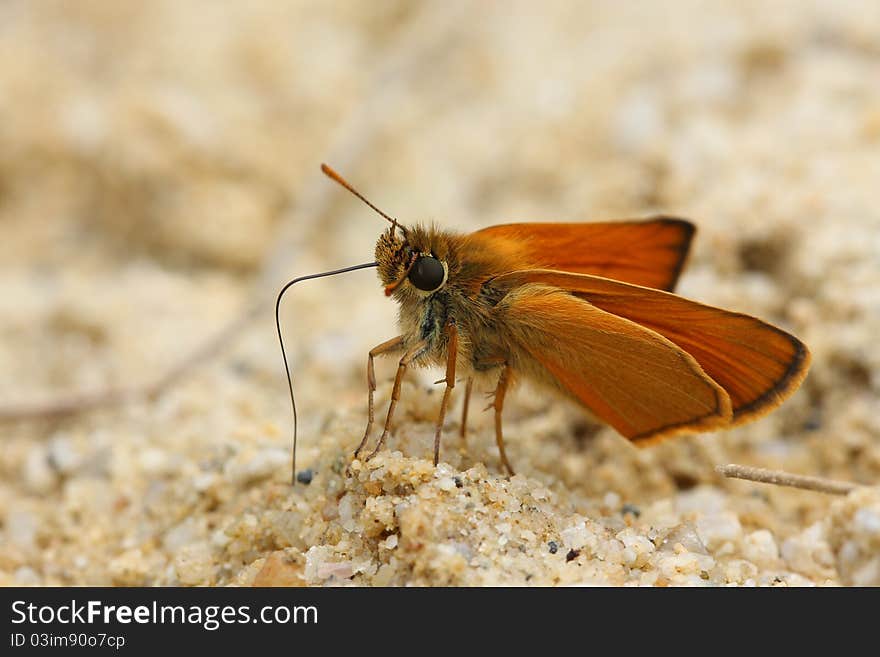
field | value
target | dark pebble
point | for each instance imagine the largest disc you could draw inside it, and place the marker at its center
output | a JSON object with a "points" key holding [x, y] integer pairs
{"points": [[305, 476], [457, 481], [572, 555], [630, 508], [814, 422], [553, 547]]}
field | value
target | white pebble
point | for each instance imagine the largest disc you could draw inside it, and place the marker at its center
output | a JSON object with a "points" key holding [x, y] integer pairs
{"points": [[687, 563], [867, 520], [868, 574], [808, 552], [62, 455], [26, 576], [760, 548], [316, 556], [337, 569], [718, 528], [611, 500], [637, 548], [203, 481], [686, 536], [701, 498], [21, 528], [446, 483], [220, 539], [574, 538], [347, 512]]}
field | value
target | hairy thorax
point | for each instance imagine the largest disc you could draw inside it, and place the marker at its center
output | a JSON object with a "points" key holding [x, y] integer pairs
{"points": [[467, 298]]}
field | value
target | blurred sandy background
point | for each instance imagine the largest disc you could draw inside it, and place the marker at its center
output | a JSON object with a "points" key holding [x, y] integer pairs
{"points": [[159, 174]]}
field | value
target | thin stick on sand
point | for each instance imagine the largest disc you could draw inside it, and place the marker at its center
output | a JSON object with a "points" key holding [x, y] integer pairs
{"points": [[780, 478]]}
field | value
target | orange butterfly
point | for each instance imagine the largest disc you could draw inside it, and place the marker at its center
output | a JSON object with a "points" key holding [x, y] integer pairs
{"points": [[585, 309]]}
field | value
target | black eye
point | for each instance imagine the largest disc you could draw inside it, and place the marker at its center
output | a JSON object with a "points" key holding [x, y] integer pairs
{"points": [[427, 273]]}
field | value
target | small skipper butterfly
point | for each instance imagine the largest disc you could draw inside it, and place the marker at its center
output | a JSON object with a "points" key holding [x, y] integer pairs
{"points": [[585, 309]]}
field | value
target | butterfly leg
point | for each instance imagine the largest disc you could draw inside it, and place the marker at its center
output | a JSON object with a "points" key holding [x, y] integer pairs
{"points": [[389, 346], [411, 354], [464, 411], [498, 404], [451, 357]]}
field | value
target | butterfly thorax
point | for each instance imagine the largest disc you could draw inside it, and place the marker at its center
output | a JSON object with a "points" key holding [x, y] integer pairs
{"points": [[464, 297]]}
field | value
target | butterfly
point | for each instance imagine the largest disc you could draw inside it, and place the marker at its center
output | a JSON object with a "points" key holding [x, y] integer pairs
{"points": [[584, 309]]}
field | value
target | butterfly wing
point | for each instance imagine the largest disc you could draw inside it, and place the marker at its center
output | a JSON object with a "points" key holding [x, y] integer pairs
{"points": [[650, 252], [631, 377], [757, 364]]}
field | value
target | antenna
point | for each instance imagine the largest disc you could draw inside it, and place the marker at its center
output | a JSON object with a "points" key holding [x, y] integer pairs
{"points": [[284, 354], [331, 173]]}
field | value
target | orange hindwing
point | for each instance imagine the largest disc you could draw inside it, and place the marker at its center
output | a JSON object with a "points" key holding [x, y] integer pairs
{"points": [[757, 364], [629, 376]]}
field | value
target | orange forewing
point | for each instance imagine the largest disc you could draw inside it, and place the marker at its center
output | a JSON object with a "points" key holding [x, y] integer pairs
{"points": [[757, 364], [630, 377], [650, 252]]}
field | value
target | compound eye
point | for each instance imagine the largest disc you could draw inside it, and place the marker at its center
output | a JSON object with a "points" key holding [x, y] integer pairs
{"points": [[427, 273]]}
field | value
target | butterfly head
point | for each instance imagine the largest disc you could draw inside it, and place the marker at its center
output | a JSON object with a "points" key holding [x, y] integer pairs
{"points": [[413, 263]]}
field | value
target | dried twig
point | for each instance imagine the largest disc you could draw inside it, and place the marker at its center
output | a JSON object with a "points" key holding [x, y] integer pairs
{"points": [[780, 478], [399, 65]]}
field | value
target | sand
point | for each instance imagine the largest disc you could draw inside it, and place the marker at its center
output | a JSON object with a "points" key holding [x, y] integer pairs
{"points": [[159, 173]]}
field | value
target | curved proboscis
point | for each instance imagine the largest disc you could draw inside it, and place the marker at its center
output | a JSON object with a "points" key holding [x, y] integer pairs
{"points": [[281, 342]]}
